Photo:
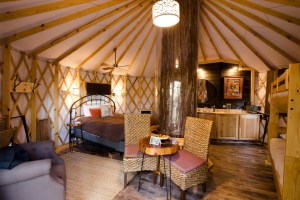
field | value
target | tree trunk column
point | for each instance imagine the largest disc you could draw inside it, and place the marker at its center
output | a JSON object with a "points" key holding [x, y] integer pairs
{"points": [[179, 69]]}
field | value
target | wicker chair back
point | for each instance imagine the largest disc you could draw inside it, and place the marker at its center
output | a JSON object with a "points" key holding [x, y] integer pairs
{"points": [[196, 136], [136, 127]]}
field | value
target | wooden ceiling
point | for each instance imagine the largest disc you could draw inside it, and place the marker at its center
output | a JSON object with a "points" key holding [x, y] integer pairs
{"points": [[83, 33]]}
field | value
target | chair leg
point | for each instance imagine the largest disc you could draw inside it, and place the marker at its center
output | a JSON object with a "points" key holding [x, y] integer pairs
{"points": [[154, 177], [125, 179], [162, 178], [182, 194], [203, 187]]}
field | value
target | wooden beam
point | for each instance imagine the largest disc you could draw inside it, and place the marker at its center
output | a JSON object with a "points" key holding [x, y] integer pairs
{"points": [[125, 38], [269, 11], [62, 20], [25, 12], [236, 33], [220, 60], [148, 56], [210, 38], [292, 155], [205, 14], [261, 21], [293, 3], [139, 49], [33, 101], [5, 80], [115, 22], [77, 30], [201, 47], [56, 103], [254, 33]]}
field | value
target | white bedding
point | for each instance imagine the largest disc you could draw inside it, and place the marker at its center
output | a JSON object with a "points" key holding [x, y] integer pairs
{"points": [[277, 151]]}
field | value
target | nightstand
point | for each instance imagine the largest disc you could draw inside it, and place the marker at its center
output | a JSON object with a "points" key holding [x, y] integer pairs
{"points": [[72, 138]]}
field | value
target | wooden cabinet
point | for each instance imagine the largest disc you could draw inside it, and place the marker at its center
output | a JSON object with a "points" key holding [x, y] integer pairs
{"points": [[228, 126], [233, 126], [211, 117], [249, 127]]}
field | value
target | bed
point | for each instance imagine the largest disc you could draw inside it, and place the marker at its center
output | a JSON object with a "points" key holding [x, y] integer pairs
{"points": [[284, 151], [107, 130]]}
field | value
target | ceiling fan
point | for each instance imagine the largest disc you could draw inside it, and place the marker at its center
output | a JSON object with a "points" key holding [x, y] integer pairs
{"points": [[115, 65]]}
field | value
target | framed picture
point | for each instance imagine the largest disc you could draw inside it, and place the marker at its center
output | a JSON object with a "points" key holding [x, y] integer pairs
{"points": [[233, 87]]}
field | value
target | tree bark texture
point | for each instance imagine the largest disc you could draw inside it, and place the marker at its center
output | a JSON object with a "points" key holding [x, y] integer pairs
{"points": [[178, 85]]}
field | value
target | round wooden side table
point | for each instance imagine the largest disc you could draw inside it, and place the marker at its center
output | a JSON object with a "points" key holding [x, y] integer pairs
{"points": [[158, 150]]}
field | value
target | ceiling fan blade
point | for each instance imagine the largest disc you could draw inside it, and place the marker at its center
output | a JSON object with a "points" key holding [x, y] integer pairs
{"points": [[105, 64], [107, 68], [123, 65]]}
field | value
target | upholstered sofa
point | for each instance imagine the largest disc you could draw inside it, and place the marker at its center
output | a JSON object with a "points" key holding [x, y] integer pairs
{"points": [[41, 178]]}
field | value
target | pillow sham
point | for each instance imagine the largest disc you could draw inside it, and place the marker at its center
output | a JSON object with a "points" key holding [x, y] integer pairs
{"points": [[95, 112], [106, 110]]}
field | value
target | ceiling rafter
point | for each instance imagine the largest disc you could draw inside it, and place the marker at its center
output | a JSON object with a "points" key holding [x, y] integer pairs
{"points": [[148, 56], [246, 43], [294, 3], [253, 32], [124, 39], [77, 30], [56, 22], [222, 36], [201, 47], [132, 42], [210, 38], [261, 21], [139, 49], [25, 12], [269, 11], [85, 41]]}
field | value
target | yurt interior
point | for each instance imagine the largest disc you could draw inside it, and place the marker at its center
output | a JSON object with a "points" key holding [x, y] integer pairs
{"points": [[149, 99]]}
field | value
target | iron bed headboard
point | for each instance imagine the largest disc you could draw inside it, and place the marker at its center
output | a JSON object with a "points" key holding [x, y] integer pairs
{"points": [[95, 99]]}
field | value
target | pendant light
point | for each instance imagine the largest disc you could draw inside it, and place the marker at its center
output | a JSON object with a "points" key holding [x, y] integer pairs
{"points": [[165, 13]]}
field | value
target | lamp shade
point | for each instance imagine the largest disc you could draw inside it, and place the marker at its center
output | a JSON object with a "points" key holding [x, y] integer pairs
{"points": [[165, 13]]}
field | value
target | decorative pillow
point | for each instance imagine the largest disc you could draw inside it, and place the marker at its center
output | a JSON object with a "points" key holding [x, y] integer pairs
{"points": [[95, 112], [106, 111], [283, 136], [86, 109]]}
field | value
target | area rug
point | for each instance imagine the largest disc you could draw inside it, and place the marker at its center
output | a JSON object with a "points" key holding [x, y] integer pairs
{"points": [[91, 177]]}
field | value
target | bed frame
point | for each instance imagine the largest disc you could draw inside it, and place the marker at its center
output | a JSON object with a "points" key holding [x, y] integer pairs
{"points": [[76, 111], [285, 98]]}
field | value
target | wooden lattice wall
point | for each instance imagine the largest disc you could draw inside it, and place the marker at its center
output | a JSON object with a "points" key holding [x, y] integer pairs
{"points": [[53, 98]]}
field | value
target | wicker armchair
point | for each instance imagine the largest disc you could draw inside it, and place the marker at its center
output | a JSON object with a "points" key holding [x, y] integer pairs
{"points": [[189, 165], [136, 127], [6, 134]]}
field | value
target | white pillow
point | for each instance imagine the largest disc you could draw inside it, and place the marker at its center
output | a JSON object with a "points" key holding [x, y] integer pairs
{"points": [[106, 110], [86, 109], [283, 136]]}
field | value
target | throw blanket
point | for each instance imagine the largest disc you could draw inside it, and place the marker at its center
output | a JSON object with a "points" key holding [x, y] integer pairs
{"points": [[111, 127]]}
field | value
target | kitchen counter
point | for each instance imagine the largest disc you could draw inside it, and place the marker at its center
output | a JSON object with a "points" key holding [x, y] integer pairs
{"points": [[223, 111]]}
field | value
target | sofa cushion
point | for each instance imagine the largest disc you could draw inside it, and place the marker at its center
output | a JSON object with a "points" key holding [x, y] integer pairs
{"points": [[185, 161], [12, 156], [25, 171]]}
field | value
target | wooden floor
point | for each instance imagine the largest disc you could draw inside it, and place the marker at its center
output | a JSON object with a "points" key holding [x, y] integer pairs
{"points": [[239, 172]]}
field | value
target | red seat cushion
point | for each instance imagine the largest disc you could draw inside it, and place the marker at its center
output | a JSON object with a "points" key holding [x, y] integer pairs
{"points": [[185, 161], [132, 151]]}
